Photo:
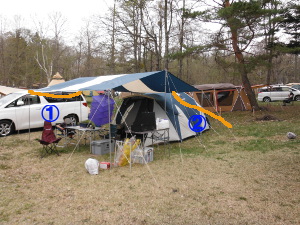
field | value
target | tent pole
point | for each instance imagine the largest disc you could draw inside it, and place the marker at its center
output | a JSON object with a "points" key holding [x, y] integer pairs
{"points": [[109, 122], [29, 117], [80, 119], [166, 74]]}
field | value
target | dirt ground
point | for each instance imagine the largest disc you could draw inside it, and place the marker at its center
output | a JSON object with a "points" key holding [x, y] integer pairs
{"points": [[222, 185]]}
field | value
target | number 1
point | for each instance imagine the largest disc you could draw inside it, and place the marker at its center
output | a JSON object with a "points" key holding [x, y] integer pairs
{"points": [[50, 110]]}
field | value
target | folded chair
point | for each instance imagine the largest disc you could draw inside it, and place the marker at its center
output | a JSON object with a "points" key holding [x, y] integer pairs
{"points": [[49, 140]]}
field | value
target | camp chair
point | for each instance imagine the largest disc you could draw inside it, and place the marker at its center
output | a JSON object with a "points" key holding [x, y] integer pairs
{"points": [[68, 134], [49, 140]]}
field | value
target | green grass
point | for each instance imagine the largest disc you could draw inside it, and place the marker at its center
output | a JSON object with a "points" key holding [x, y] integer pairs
{"points": [[248, 133], [223, 176]]}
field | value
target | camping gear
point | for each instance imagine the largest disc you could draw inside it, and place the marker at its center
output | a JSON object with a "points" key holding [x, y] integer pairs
{"points": [[124, 149], [221, 97], [142, 156], [147, 82], [102, 147], [111, 133], [105, 165], [162, 124], [92, 166], [144, 122], [68, 133], [165, 107], [49, 140], [102, 108]]}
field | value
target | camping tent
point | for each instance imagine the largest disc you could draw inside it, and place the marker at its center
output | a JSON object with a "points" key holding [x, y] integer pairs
{"points": [[147, 82], [56, 79], [221, 97], [165, 107], [7, 90]]}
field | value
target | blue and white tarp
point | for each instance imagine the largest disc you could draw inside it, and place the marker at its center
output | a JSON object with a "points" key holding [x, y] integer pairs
{"points": [[148, 82]]}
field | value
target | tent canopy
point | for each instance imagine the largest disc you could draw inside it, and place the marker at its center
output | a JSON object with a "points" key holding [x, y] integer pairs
{"points": [[220, 86], [148, 82], [222, 97], [56, 79], [7, 90]]}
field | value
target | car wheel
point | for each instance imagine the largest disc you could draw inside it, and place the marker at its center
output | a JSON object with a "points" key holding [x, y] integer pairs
{"points": [[73, 119], [6, 128], [297, 98], [266, 99]]}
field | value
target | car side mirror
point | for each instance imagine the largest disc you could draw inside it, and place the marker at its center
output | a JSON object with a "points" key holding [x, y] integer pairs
{"points": [[20, 102]]}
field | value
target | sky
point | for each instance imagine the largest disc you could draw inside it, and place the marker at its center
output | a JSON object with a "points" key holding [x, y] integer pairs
{"points": [[75, 11]]}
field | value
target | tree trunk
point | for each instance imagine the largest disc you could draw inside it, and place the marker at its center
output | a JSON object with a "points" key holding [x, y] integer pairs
{"points": [[180, 73], [296, 68], [112, 53], [242, 68], [166, 37]]}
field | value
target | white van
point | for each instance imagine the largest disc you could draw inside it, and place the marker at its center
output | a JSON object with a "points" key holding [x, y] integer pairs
{"points": [[21, 110], [277, 93]]}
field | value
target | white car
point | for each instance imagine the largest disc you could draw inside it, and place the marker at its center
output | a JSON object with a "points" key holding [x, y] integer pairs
{"points": [[21, 110], [277, 93]]}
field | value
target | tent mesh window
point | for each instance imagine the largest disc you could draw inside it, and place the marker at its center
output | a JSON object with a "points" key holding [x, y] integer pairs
{"points": [[225, 98], [205, 99]]}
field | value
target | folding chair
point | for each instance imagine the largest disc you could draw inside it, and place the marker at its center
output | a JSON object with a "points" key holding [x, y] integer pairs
{"points": [[68, 134], [49, 140]]}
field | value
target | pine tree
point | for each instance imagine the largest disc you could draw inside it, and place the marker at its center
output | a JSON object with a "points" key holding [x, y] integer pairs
{"points": [[291, 26]]}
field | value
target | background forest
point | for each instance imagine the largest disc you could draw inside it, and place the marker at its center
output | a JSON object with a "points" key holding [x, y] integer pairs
{"points": [[199, 41]]}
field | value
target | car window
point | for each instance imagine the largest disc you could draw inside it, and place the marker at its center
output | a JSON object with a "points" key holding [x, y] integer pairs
{"points": [[277, 89], [264, 90], [8, 98], [56, 100], [285, 89], [26, 99], [76, 98]]}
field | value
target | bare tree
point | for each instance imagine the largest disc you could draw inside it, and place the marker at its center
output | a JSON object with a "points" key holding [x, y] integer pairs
{"points": [[45, 63], [58, 22], [168, 18], [153, 30]]}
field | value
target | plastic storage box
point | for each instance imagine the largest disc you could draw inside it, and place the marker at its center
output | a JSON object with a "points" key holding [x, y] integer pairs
{"points": [[142, 156], [102, 147]]}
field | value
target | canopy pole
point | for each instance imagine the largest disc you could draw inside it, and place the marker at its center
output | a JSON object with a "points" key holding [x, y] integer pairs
{"points": [[166, 74], [28, 99], [108, 93]]}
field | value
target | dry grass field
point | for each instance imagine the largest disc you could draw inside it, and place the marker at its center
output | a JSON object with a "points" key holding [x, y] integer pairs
{"points": [[249, 174]]}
